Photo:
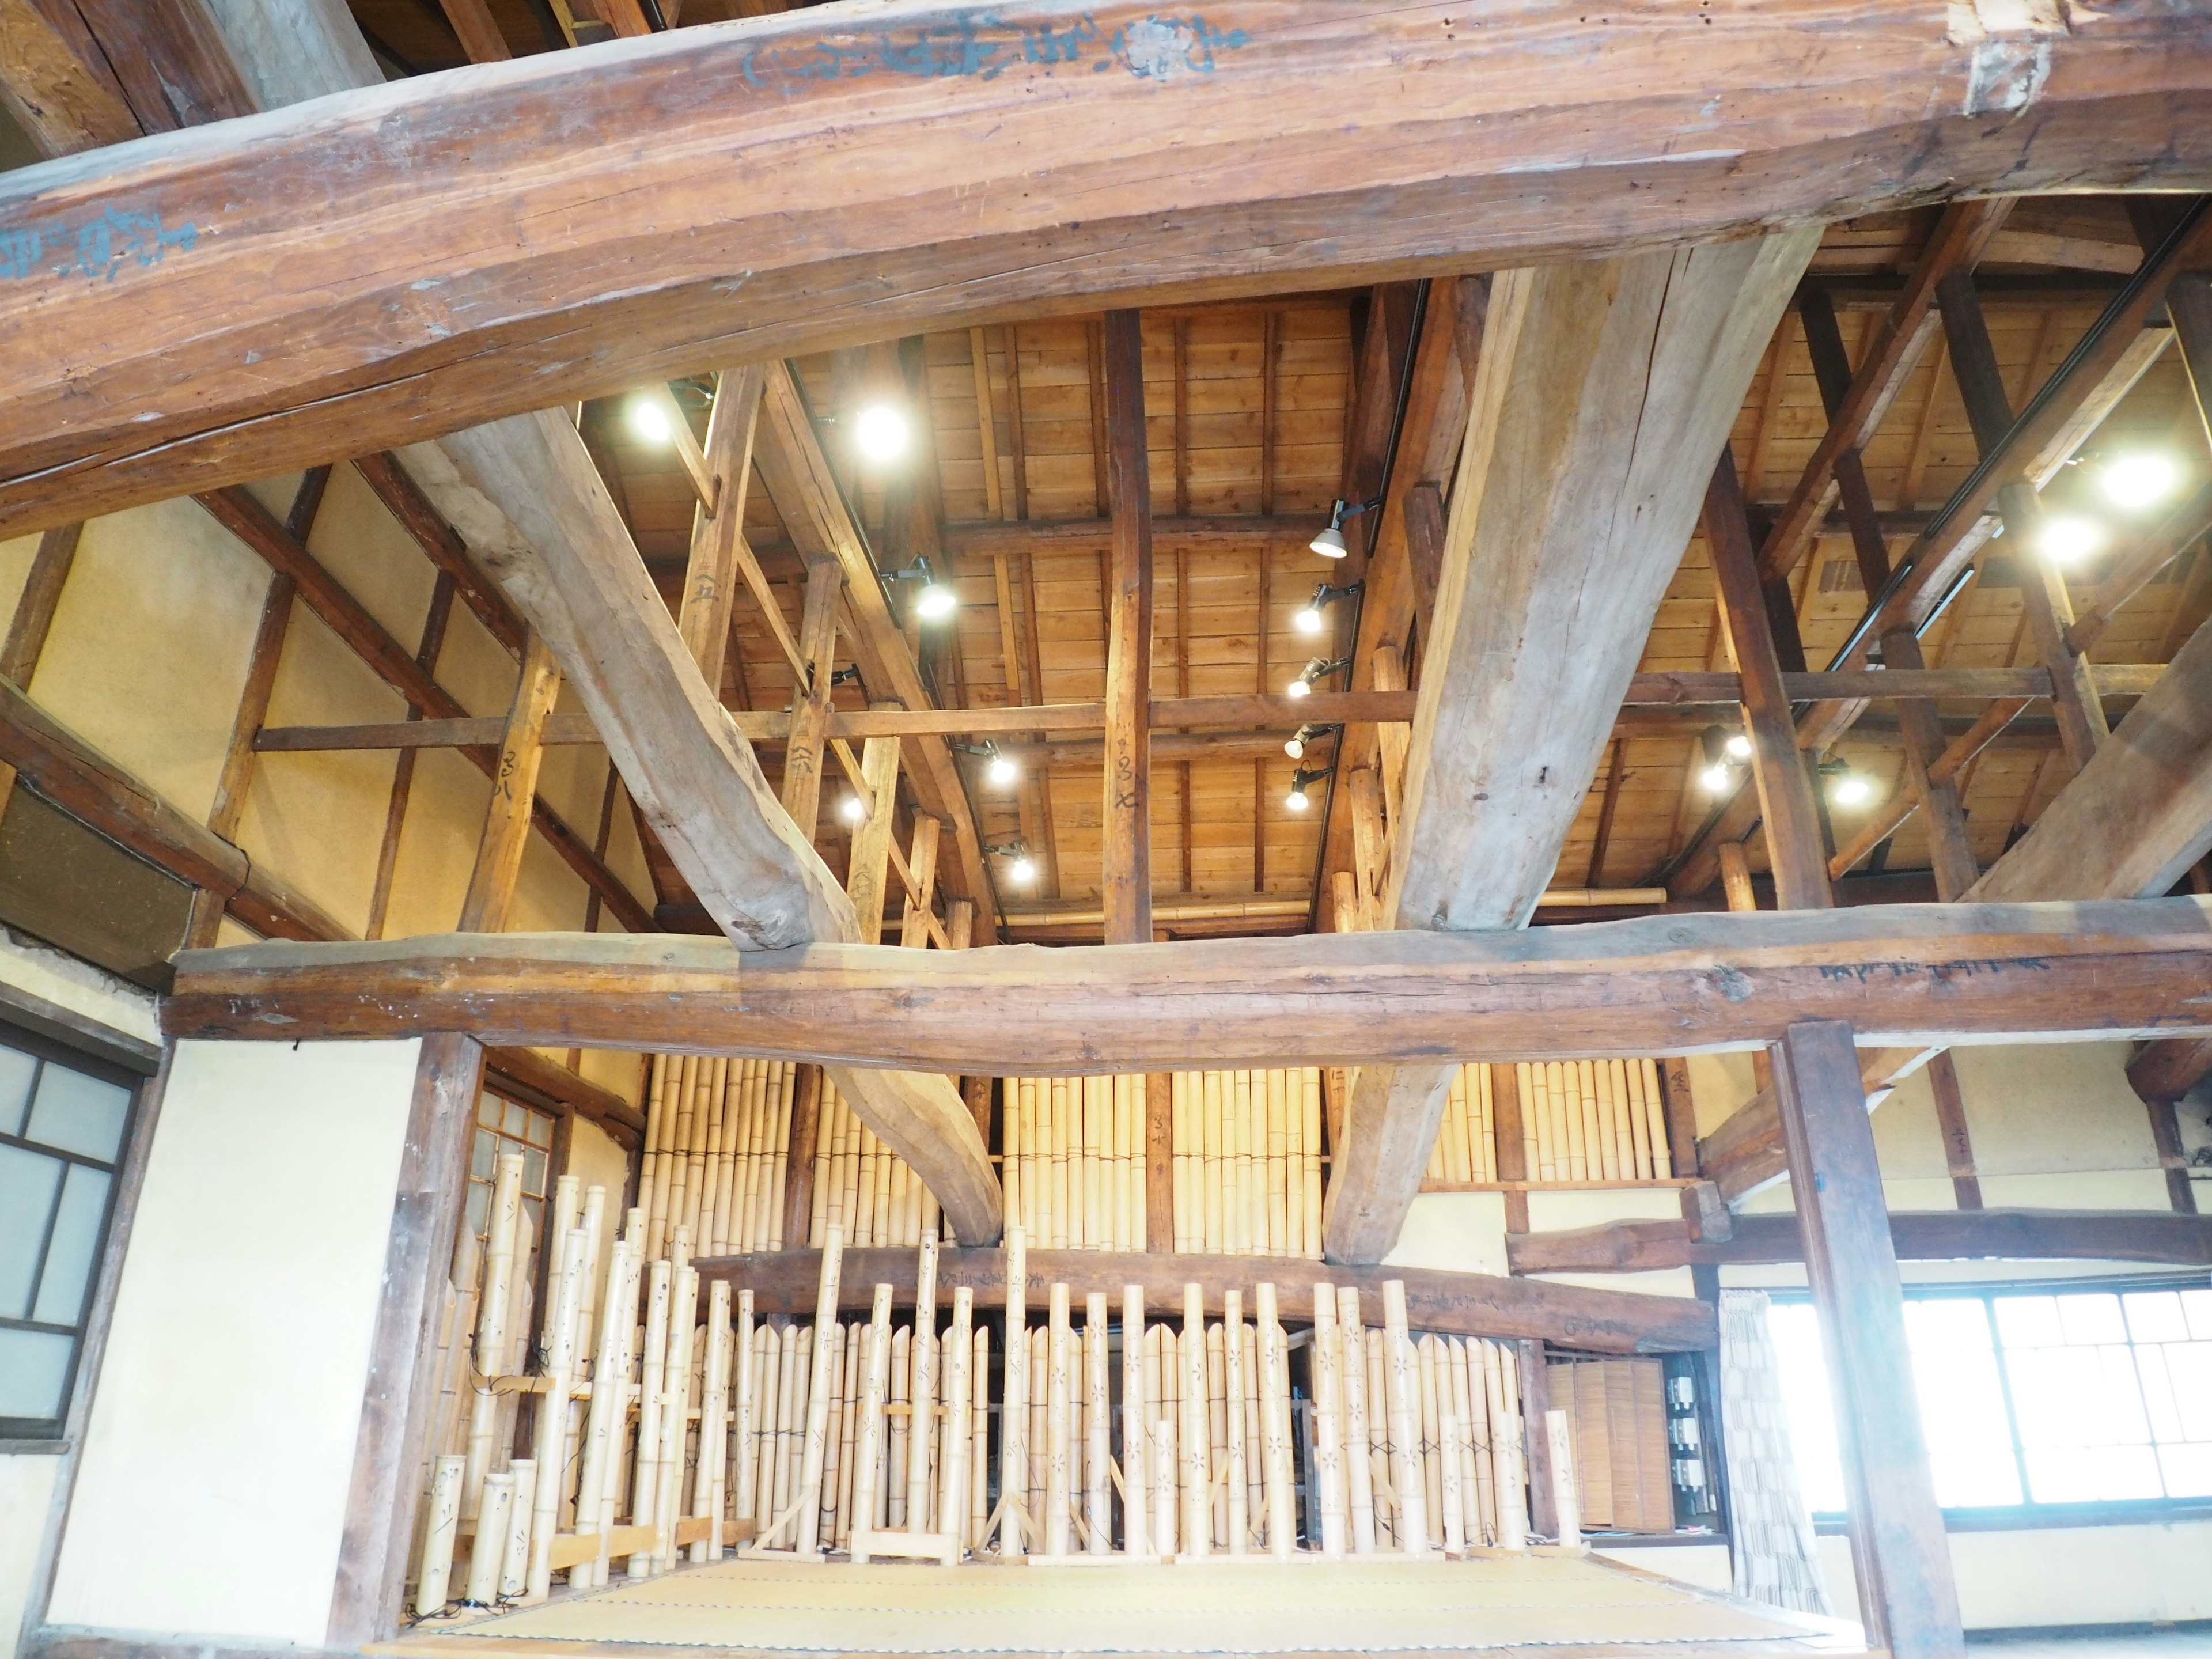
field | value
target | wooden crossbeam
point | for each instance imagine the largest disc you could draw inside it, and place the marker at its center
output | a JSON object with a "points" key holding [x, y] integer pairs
{"points": [[1926, 974], [468, 180], [1459, 1304]]}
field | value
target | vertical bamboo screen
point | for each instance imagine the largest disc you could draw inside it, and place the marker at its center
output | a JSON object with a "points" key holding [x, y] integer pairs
{"points": [[1617, 1417], [1581, 1120], [1074, 1160], [1248, 1163], [862, 1186], [715, 1135]]}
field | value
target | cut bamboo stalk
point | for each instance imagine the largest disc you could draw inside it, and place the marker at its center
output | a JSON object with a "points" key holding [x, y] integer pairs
{"points": [[1013, 1407], [554, 1407], [1431, 1423], [979, 1453], [502, 1224], [1473, 1468], [646, 1469], [866, 1454], [1278, 1164], [1256, 1434], [1196, 1461], [676, 1408], [1135, 1415], [952, 1490], [1275, 1425], [1566, 1499], [1164, 1484], [1237, 1520], [1406, 1471], [1329, 1421], [495, 1514], [1359, 1471], [741, 1504], [607, 1482], [1217, 1429], [1454, 1511], [1039, 1398], [1381, 1453], [768, 1363], [1098, 1426], [1654, 1111], [899, 1410], [435, 1570], [1312, 1096], [1179, 1140], [708, 1482], [1212, 1237], [514, 1548], [1057, 1495], [826, 1505], [922, 1387], [852, 1385]]}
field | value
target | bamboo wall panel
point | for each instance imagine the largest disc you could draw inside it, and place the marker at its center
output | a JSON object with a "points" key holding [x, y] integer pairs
{"points": [[1248, 1163], [715, 1135], [1074, 1160], [1617, 1418], [862, 1187], [1583, 1122]]}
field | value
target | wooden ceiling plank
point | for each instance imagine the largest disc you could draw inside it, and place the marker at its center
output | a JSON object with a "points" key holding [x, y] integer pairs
{"points": [[535, 317], [1601, 391], [2082, 971]]}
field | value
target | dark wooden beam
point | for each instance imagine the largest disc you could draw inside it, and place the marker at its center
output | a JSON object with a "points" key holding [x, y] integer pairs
{"points": [[2131, 1236], [1459, 1305], [465, 180], [1126, 882], [1907, 1597], [1928, 974]]}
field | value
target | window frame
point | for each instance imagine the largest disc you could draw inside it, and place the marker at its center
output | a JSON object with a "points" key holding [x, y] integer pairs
{"points": [[2030, 1514], [24, 1434]]}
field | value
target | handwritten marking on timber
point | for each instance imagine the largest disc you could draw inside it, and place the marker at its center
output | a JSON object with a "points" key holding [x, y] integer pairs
{"points": [[97, 248], [980, 45]]}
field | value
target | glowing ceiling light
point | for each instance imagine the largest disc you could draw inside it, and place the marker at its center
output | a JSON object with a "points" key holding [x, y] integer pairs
{"points": [[881, 433], [2069, 538], [2141, 480], [649, 420]]}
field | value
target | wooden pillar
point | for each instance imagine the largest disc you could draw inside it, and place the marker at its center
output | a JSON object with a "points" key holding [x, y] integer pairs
{"points": [[871, 837], [2081, 724], [810, 713], [1370, 853], [1536, 1442], [1159, 1163], [1794, 843], [1903, 1558], [1957, 1143], [513, 794], [798, 1163], [1508, 1131], [1735, 878], [917, 911], [1127, 884], [403, 1382], [718, 523]]}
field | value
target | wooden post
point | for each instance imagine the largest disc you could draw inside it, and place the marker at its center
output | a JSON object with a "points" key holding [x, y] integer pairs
{"points": [[1136, 1417], [513, 794], [809, 713], [1127, 885], [916, 917], [805, 1144], [1898, 1542], [1791, 815], [870, 864], [1957, 1143], [2081, 715], [718, 523], [1159, 1163], [1370, 856], [1535, 1404], [403, 1383]]}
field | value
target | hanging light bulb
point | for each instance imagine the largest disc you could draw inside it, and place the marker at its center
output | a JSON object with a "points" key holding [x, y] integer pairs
{"points": [[1850, 789], [2068, 538], [1295, 745], [1023, 870], [935, 602], [1295, 801], [649, 420], [2141, 480], [1308, 621], [1715, 778], [1000, 770], [851, 809], [1297, 688], [881, 433]]}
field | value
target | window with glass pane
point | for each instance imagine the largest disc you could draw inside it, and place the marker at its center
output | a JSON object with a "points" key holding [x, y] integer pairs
{"points": [[508, 1126], [2076, 1396], [61, 1132]]}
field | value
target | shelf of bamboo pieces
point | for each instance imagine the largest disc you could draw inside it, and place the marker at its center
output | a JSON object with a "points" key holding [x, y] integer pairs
{"points": [[861, 1186], [716, 1135], [1583, 1123], [677, 1429]]}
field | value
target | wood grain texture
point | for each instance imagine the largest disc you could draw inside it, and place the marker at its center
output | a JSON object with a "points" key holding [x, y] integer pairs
{"points": [[1462, 1304], [1919, 974], [1126, 886], [526, 195], [710, 581], [491, 893]]}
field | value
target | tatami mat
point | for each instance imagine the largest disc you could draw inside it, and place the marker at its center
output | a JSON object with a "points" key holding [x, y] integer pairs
{"points": [[1245, 1607]]}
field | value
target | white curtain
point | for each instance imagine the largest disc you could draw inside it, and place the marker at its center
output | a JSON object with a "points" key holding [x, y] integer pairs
{"points": [[1770, 1529]]}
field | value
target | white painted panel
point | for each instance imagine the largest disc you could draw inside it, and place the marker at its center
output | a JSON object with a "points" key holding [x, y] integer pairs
{"points": [[2128, 1575], [212, 1491], [1457, 1232], [27, 1490]]}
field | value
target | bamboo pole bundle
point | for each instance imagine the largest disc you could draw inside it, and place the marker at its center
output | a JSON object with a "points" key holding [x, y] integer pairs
{"points": [[1013, 1414], [1135, 1416], [1359, 1470], [1275, 1426], [868, 1453], [1329, 1421], [1097, 1426], [434, 1571], [495, 1511], [1197, 1463], [1237, 1477], [553, 1408], [1057, 1489], [1406, 1474], [514, 1548]]}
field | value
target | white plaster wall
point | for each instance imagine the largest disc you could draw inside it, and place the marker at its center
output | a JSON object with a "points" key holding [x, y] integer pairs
{"points": [[1456, 1232], [2063, 1575], [92, 992], [212, 1486], [27, 1491], [1563, 1211]]}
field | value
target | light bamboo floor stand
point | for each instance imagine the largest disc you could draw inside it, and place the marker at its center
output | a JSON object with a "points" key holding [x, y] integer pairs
{"points": [[1557, 1600]]}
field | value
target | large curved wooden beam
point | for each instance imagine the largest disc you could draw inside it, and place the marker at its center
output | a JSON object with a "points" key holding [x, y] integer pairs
{"points": [[1920, 973], [388, 265]]}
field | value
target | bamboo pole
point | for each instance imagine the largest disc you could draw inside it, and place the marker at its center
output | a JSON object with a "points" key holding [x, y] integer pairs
{"points": [[1040, 1440], [604, 1480], [1217, 1428], [1179, 1114], [870, 1448], [1567, 1501], [741, 1504], [514, 1548], [676, 1409], [1196, 1461], [922, 1390], [1013, 1408], [953, 1504], [979, 1455], [1406, 1471], [1382, 1454], [709, 1481], [1210, 1237], [899, 1412], [1098, 1424], [1135, 1414], [1329, 1421], [1163, 1485], [502, 1221], [1359, 1471], [1454, 1504], [435, 1570], [495, 1511], [646, 1472], [1057, 1496], [1234, 1386], [1431, 1429], [554, 1407], [1473, 1473], [1275, 1426]]}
